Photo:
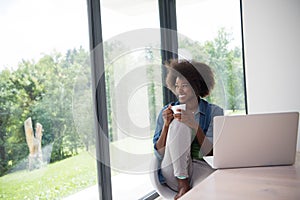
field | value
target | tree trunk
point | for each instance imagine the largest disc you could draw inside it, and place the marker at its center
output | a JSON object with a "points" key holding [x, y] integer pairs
{"points": [[34, 142]]}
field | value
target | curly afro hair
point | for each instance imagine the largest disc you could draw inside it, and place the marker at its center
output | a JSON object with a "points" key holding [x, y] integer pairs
{"points": [[199, 75]]}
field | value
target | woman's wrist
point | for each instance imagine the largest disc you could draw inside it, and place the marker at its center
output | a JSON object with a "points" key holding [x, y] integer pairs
{"points": [[195, 127], [166, 125]]}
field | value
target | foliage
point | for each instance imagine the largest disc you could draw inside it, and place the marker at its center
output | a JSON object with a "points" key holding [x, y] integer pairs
{"points": [[43, 91], [226, 61], [152, 96]]}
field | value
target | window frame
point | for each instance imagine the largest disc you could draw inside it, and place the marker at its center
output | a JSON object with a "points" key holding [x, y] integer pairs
{"points": [[101, 121]]}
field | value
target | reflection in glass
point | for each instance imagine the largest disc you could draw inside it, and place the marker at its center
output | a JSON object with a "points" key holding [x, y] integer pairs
{"points": [[214, 31], [133, 89]]}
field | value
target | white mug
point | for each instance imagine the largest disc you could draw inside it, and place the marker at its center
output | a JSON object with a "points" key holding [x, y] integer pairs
{"points": [[180, 106]]}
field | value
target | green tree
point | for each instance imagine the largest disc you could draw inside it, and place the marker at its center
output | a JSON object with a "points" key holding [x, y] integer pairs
{"points": [[226, 61], [20, 90], [112, 51], [5, 110], [55, 109], [43, 91]]}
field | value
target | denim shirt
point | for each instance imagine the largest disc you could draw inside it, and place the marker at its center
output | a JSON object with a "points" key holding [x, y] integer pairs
{"points": [[204, 116]]}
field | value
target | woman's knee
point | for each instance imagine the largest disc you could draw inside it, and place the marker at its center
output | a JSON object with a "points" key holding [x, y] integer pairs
{"points": [[177, 127]]}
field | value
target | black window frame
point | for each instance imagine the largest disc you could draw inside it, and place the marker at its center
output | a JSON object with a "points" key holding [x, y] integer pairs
{"points": [[98, 77]]}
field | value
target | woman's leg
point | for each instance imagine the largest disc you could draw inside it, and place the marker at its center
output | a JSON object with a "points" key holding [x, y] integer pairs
{"points": [[177, 159], [201, 170]]}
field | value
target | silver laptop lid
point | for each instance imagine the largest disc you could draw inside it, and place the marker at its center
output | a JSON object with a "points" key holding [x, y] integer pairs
{"points": [[255, 140]]}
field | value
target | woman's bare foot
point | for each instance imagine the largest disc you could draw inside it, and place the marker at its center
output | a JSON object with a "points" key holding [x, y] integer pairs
{"points": [[183, 187]]}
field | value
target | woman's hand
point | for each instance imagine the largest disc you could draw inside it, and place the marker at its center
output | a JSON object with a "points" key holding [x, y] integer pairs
{"points": [[187, 118], [168, 115]]}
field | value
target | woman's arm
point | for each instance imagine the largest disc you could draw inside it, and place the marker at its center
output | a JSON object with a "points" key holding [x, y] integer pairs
{"points": [[206, 146], [167, 116], [161, 142]]}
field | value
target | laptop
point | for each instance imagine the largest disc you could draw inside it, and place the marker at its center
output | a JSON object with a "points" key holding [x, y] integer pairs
{"points": [[254, 140]]}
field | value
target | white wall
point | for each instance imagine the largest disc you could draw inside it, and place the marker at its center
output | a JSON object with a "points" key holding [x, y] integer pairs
{"points": [[272, 55]]}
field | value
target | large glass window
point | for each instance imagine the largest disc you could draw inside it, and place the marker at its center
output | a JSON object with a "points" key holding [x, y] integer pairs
{"points": [[132, 60], [131, 44], [43, 153], [47, 134], [210, 32]]}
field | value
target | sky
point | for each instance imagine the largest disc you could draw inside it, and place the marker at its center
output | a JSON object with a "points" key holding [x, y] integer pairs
{"points": [[32, 28]]}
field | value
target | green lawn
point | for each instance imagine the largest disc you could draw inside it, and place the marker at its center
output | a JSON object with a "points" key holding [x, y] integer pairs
{"points": [[54, 181], [63, 178]]}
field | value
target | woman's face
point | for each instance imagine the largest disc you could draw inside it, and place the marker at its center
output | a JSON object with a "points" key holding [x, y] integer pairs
{"points": [[184, 91]]}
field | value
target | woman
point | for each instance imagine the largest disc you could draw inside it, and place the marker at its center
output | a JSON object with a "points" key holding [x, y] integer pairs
{"points": [[182, 139]]}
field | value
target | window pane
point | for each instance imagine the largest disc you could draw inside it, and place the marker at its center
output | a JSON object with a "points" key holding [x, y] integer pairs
{"points": [[44, 55], [210, 32], [134, 91]]}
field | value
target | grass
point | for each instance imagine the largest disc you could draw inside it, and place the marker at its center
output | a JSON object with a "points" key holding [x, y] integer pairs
{"points": [[54, 181], [62, 178]]}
